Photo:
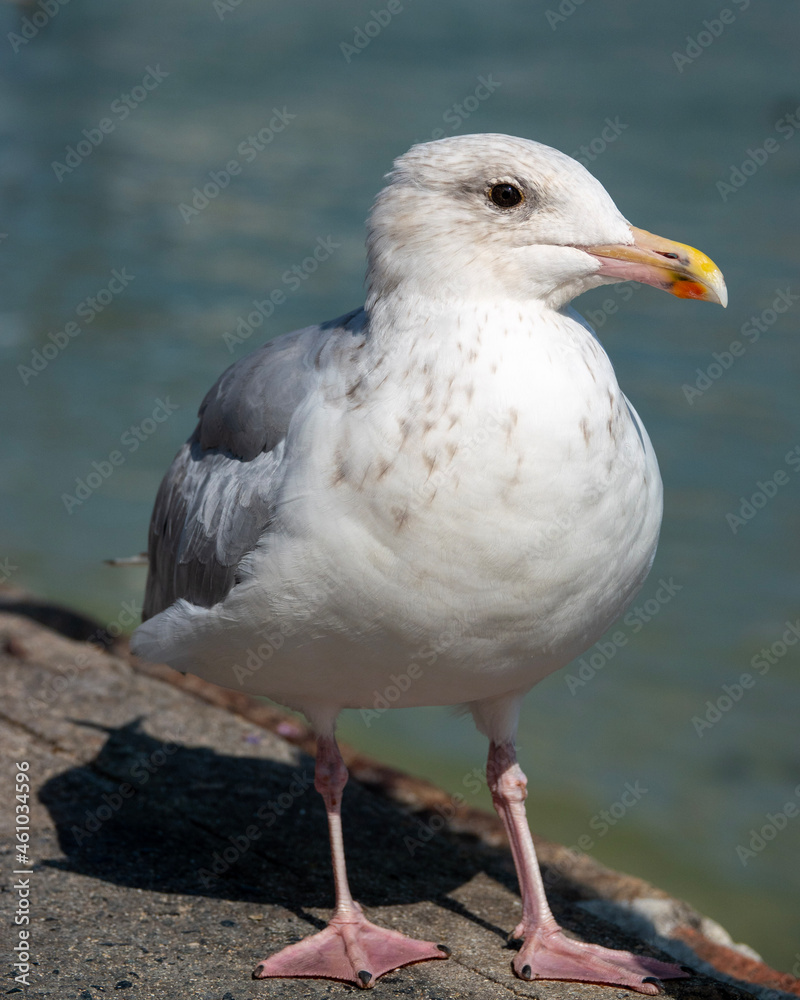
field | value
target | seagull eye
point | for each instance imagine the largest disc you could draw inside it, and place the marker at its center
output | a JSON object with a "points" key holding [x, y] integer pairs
{"points": [[505, 195]]}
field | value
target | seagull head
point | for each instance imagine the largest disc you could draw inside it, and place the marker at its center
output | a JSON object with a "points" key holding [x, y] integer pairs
{"points": [[488, 216]]}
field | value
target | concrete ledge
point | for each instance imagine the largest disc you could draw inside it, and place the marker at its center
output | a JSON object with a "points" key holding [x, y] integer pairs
{"points": [[178, 839]]}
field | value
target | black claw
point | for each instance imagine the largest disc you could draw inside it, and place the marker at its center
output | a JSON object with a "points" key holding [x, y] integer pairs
{"points": [[527, 972], [654, 981], [257, 971], [686, 968], [364, 976], [444, 949]]}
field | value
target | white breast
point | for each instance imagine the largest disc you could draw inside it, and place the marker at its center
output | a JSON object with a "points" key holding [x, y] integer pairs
{"points": [[489, 506]]}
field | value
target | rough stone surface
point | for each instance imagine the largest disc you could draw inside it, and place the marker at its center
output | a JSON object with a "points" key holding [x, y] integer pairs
{"points": [[178, 839]]}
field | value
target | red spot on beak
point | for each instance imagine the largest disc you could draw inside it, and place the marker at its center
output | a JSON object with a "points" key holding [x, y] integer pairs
{"points": [[688, 290]]}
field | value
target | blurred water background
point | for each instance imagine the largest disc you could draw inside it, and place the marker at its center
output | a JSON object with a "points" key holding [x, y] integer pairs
{"points": [[156, 99]]}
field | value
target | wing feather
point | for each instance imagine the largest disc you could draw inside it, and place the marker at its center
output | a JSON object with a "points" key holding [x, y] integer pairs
{"points": [[217, 499]]}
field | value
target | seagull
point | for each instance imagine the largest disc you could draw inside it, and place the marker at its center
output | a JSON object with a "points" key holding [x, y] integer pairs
{"points": [[452, 465]]}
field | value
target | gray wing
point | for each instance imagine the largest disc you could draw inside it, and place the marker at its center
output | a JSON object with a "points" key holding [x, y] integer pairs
{"points": [[216, 500]]}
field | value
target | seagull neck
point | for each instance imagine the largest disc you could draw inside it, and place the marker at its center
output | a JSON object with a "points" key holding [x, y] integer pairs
{"points": [[402, 323]]}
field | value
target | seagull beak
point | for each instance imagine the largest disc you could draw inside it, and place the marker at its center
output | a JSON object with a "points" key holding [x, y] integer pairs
{"points": [[675, 267]]}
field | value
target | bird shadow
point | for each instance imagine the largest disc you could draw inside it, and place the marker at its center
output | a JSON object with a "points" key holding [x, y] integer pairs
{"points": [[164, 817]]}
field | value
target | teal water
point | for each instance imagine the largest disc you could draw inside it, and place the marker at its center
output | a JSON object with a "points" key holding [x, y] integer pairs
{"points": [[201, 80]]}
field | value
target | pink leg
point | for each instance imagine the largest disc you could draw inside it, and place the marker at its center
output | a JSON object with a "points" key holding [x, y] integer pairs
{"points": [[350, 948], [547, 953]]}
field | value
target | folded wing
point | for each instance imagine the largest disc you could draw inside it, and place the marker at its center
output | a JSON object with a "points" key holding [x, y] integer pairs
{"points": [[217, 499]]}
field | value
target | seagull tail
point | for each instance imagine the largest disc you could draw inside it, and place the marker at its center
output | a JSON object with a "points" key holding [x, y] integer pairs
{"points": [[171, 636]]}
